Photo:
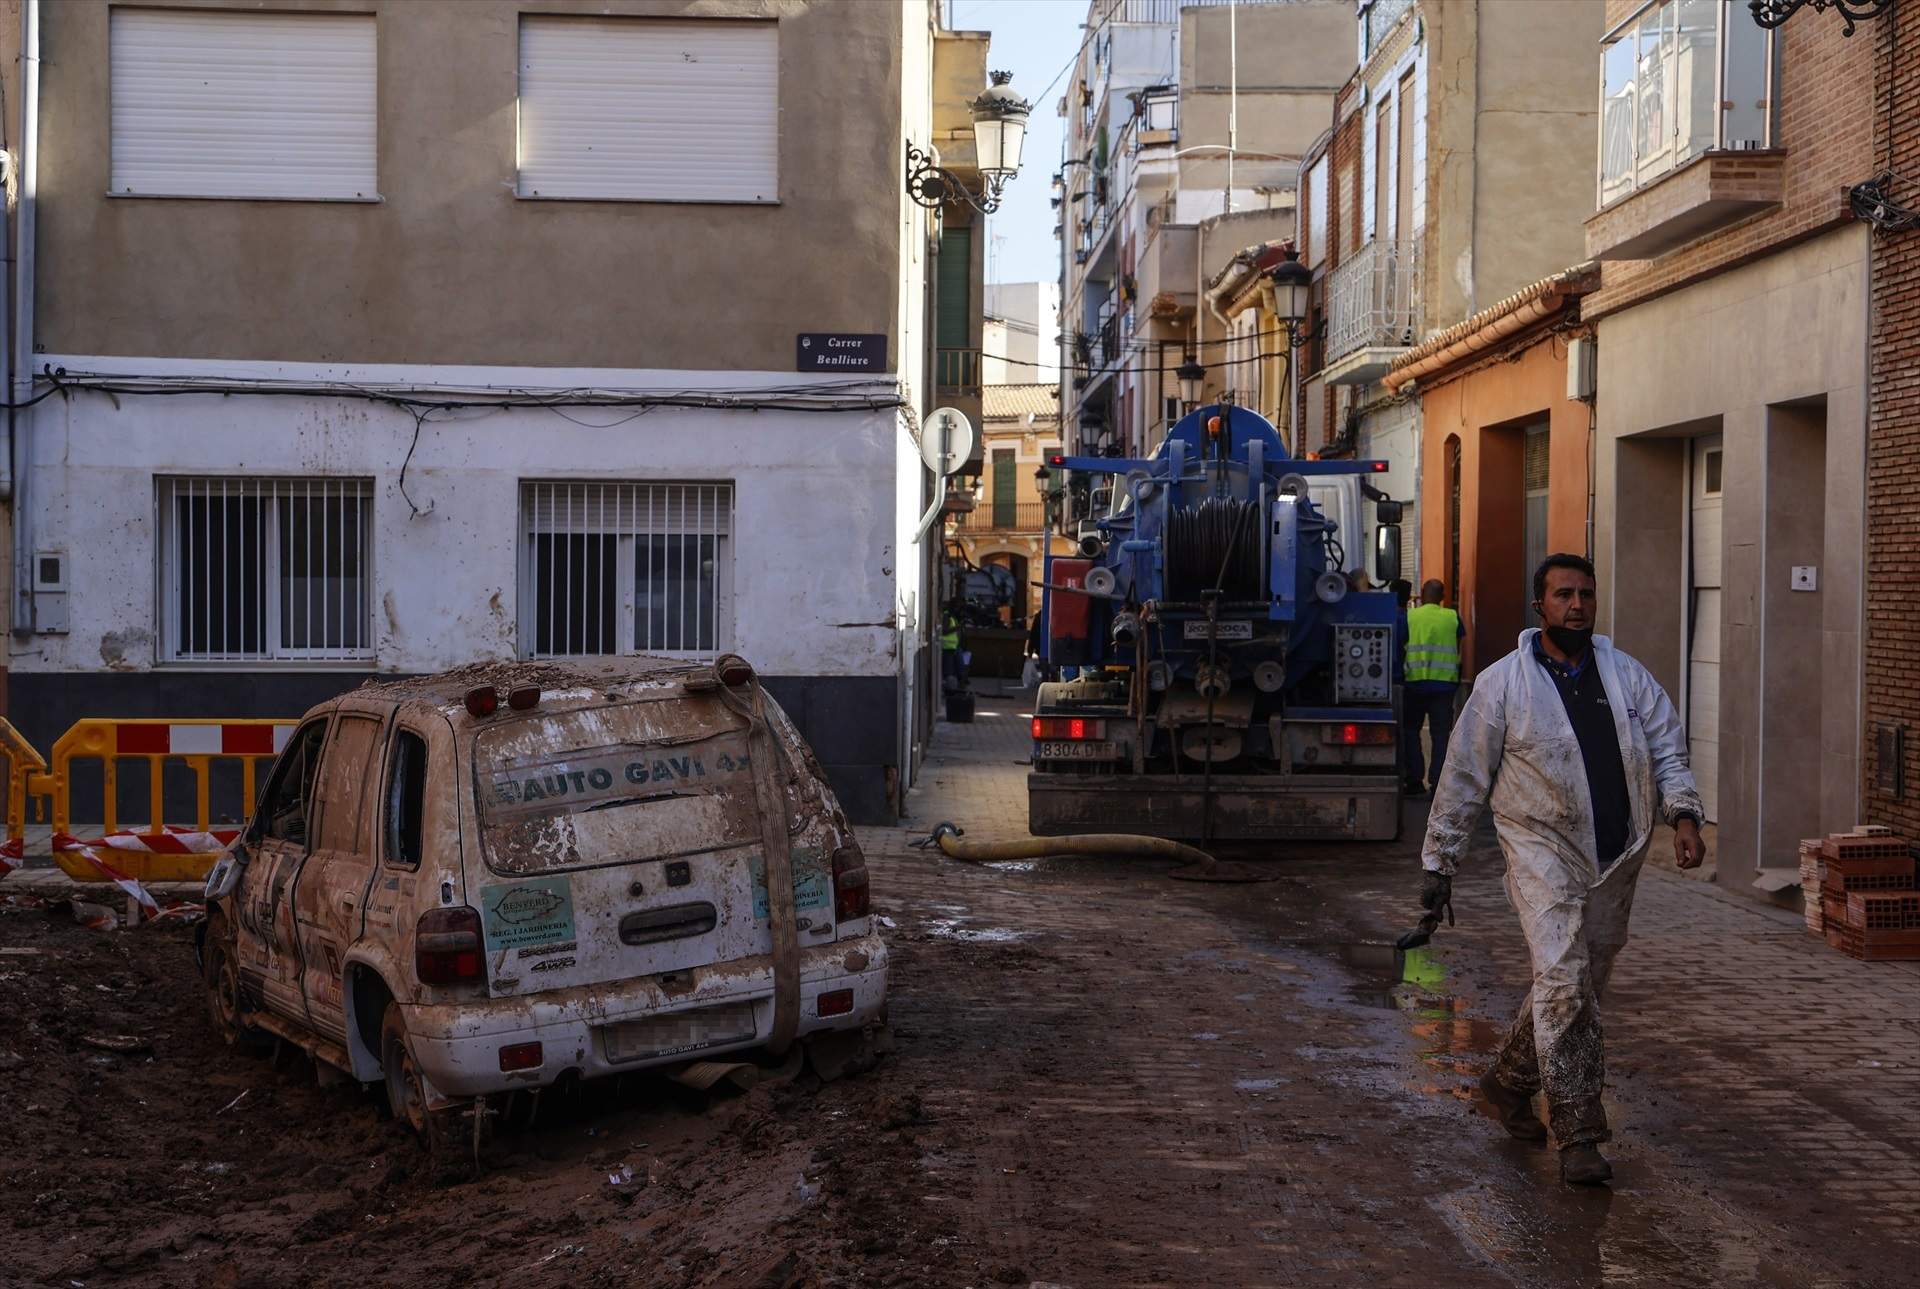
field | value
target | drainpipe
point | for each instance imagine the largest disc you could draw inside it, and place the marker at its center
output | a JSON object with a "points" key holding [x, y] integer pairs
{"points": [[20, 361]]}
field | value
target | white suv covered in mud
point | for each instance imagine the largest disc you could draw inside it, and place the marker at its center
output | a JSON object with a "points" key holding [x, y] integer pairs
{"points": [[510, 874]]}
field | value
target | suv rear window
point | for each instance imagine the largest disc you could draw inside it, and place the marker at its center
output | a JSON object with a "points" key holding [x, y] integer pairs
{"points": [[617, 784]]}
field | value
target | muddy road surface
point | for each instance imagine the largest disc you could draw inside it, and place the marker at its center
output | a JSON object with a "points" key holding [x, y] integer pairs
{"points": [[1102, 1077]]}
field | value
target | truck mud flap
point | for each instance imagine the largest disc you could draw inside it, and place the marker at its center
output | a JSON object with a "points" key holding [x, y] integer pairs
{"points": [[1245, 808]]}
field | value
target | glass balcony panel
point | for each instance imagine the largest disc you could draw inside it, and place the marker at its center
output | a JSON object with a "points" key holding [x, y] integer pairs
{"points": [[1619, 86], [1696, 72], [1748, 59]]}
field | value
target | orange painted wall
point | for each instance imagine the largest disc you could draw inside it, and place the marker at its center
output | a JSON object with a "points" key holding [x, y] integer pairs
{"points": [[1489, 409]]}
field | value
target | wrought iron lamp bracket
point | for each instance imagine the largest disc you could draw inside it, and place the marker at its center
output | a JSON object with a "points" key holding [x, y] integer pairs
{"points": [[933, 186], [1772, 13]]}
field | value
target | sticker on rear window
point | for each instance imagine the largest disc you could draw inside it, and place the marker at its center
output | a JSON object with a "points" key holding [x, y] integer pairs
{"points": [[811, 887], [522, 914], [583, 781]]}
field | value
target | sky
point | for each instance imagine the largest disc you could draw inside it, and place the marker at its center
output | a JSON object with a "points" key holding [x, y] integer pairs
{"points": [[1033, 39]]}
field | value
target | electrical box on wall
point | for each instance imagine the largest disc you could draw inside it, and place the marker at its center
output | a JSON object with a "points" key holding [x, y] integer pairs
{"points": [[1806, 577], [50, 591], [1580, 373]]}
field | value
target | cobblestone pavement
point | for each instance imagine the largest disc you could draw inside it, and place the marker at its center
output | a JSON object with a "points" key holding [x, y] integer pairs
{"points": [[1134, 1080]]}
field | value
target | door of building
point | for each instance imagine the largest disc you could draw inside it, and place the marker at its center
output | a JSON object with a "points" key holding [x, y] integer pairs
{"points": [[1534, 519], [1703, 620]]}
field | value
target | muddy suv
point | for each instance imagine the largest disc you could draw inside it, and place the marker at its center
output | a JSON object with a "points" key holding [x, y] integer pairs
{"points": [[504, 876]]}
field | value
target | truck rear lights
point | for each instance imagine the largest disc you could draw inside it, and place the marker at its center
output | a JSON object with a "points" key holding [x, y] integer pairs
{"points": [[1359, 734], [524, 698], [835, 1002], [521, 1056], [482, 700], [446, 947], [1069, 727], [852, 896]]}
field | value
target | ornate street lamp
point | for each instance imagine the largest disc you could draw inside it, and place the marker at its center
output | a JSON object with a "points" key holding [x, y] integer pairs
{"points": [[999, 133], [1292, 295], [1771, 13], [1192, 375]]}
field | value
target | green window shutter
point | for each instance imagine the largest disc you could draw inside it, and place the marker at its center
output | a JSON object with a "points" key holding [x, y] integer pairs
{"points": [[951, 328], [1005, 498]]}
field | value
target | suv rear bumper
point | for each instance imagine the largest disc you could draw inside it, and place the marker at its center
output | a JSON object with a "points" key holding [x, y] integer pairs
{"points": [[1250, 807], [457, 1044]]}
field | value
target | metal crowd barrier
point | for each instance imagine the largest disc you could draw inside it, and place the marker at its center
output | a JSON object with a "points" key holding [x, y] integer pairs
{"points": [[159, 852]]}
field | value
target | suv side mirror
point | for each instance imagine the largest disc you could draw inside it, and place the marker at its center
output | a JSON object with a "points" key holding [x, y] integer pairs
{"points": [[1386, 553]]}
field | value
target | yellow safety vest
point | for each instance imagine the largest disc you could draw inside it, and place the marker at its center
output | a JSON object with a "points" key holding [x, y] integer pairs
{"points": [[1433, 644], [950, 633]]}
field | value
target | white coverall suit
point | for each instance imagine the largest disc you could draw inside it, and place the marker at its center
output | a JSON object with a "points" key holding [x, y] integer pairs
{"points": [[1515, 746]]}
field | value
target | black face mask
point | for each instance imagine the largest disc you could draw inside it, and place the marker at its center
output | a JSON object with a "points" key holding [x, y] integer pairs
{"points": [[1571, 641]]}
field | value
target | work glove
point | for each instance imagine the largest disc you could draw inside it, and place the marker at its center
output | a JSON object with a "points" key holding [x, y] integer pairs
{"points": [[1436, 897]]}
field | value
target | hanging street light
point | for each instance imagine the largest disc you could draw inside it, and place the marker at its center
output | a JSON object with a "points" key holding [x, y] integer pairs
{"points": [[999, 134], [1192, 375], [1292, 284]]}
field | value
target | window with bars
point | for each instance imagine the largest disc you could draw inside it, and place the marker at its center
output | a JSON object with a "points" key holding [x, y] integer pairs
{"points": [[610, 568], [265, 569]]}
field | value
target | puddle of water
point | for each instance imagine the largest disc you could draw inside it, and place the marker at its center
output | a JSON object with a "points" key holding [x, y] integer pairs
{"points": [[1013, 865], [1258, 1085], [1617, 1238], [951, 929]]}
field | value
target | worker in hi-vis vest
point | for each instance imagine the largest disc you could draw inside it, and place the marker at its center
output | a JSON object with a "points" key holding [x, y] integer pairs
{"points": [[1433, 678], [953, 663]]}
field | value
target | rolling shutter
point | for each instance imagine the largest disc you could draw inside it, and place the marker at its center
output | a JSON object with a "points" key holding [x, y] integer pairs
{"points": [[208, 103], [644, 109]]}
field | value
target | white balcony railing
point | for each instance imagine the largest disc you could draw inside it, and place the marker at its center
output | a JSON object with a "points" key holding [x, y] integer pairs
{"points": [[1373, 298]]}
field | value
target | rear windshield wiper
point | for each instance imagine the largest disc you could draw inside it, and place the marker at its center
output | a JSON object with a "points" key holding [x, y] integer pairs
{"points": [[636, 801]]}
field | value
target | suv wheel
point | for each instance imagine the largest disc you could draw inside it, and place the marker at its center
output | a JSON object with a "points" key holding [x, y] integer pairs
{"points": [[406, 1089], [223, 982]]}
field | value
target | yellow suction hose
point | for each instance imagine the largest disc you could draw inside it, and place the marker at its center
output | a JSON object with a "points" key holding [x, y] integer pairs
{"points": [[947, 837]]}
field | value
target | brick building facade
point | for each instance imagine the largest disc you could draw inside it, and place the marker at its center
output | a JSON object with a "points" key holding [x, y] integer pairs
{"points": [[1892, 658], [1732, 325]]}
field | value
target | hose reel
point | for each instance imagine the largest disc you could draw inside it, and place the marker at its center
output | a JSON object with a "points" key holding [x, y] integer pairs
{"points": [[1218, 534]]}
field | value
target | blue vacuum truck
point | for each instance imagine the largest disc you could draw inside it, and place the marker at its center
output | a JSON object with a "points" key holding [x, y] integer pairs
{"points": [[1227, 680]]}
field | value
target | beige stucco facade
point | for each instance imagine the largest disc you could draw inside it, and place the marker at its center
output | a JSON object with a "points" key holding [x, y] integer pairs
{"points": [[449, 265], [1772, 356], [1513, 103]]}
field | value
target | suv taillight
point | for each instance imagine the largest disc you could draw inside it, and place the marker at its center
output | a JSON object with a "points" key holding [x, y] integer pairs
{"points": [[446, 947], [851, 895]]}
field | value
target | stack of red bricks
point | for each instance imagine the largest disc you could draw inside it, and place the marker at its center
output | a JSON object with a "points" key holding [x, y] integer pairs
{"points": [[1859, 888]]}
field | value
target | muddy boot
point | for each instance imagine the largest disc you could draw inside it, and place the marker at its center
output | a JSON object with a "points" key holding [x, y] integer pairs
{"points": [[1582, 1164], [1514, 1110]]}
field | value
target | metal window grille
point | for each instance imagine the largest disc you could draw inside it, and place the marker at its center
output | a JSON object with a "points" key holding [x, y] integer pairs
{"points": [[611, 568], [265, 569]]}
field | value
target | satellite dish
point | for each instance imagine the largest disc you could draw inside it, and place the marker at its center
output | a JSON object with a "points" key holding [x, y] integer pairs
{"points": [[946, 441]]}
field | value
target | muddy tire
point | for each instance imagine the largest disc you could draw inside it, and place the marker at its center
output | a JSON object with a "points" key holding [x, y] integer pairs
{"points": [[438, 1130], [221, 970]]}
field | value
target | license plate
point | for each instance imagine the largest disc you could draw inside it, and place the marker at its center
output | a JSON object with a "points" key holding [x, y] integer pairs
{"points": [[677, 1032], [1076, 751], [1239, 629]]}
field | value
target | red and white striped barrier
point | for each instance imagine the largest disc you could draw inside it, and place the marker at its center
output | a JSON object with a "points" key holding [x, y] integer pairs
{"points": [[12, 852], [135, 738], [174, 841]]}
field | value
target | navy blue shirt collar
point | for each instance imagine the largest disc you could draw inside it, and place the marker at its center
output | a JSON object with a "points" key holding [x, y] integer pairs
{"points": [[1570, 671]]}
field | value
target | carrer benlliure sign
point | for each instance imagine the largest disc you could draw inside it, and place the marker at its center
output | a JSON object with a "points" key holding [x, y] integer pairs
{"points": [[835, 351]]}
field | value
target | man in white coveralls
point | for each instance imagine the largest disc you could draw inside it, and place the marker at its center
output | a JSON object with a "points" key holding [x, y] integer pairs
{"points": [[1579, 751]]}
